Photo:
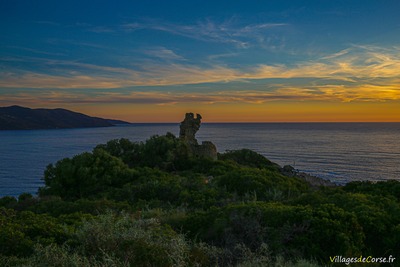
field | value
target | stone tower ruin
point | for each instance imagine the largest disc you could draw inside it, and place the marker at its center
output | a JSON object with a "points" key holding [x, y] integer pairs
{"points": [[188, 129]]}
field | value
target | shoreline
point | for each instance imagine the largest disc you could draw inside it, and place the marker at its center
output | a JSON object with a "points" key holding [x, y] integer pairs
{"points": [[314, 181]]}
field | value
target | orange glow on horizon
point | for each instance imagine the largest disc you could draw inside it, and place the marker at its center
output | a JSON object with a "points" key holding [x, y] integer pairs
{"points": [[266, 112]]}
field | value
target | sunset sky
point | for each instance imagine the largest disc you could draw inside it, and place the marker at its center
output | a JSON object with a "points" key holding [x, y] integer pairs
{"points": [[231, 61]]}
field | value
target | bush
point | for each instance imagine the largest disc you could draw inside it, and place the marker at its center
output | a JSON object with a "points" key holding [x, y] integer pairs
{"points": [[138, 242], [19, 232], [87, 175], [249, 158]]}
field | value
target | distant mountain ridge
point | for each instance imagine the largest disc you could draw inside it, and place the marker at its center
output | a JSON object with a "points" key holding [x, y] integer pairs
{"points": [[22, 118]]}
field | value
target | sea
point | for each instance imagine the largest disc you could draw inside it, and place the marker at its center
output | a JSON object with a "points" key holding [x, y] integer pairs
{"points": [[340, 152]]}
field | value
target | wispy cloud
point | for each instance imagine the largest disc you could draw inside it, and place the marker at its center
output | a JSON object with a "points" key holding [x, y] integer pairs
{"points": [[35, 51], [163, 54], [330, 93], [367, 73], [209, 31]]}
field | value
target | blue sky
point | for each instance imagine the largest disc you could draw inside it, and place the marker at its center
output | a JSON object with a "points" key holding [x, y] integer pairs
{"points": [[243, 60]]}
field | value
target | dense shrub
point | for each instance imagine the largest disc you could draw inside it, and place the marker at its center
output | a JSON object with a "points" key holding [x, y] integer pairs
{"points": [[293, 231], [85, 175], [138, 242], [164, 152], [247, 157], [19, 231], [153, 204]]}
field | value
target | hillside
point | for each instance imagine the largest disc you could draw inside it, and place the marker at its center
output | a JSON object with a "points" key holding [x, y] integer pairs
{"points": [[22, 118], [162, 203]]}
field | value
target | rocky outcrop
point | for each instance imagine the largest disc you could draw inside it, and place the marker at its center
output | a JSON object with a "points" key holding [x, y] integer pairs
{"points": [[188, 129], [314, 181]]}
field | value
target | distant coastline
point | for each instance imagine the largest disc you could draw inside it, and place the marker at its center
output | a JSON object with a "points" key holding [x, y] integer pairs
{"points": [[23, 118]]}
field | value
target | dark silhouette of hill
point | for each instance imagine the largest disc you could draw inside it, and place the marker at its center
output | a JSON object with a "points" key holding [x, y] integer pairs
{"points": [[22, 118]]}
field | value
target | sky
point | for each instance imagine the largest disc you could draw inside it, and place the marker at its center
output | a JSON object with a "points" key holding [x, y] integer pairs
{"points": [[230, 61]]}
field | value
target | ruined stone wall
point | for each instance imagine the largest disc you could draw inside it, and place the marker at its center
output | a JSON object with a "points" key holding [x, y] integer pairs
{"points": [[207, 149]]}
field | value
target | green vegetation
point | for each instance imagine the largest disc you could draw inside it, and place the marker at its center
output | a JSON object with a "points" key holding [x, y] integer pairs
{"points": [[155, 204]]}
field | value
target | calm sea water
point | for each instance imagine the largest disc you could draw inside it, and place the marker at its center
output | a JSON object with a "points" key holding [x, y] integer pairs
{"points": [[340, 152]]}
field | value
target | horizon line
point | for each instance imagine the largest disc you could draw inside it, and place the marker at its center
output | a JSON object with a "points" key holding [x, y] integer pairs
{"points": [[261, 122]]}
